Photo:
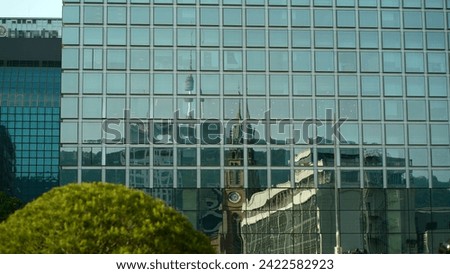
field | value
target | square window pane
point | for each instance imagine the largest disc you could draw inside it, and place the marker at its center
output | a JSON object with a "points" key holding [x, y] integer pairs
{"points": [[391, 39], [300, 17], [256, 17], [393, 109], [435, 40], [256, 108], [417, 134], [437, 62], [162, 108], [412, 19], [139, 15], [415, 86], [163, 37], [347, 61], [256, 84], [324, 39], [162, 15], [209, 60], [302, 84], [370, 85], [93, 83], [348, 85], [162, 83], [139, 83], [209, 16], [324, 61], [368, 39], [209, 84], [418, 157], [232, 60], [395, 134], [116, 59], [392, 62], [301, 61], [323, 18], [346, 39], [300, 38], [416, 110], [210, 108], [325, 85], [414, 62], [369, 61], [278, 60], [414, 40], [279, 84], [140, 36], [186, 16], [93, 15], [116, 83], [390, 19], [440, 157], [395, 157], [439, 134], [278, 17], [209, 37], [186, 37], [393, 86], [302, 109], [117, 15], [232, 38], [348, 109], [439, 110], [372, 134], [232, 17], [278, 38], [345, 18]]}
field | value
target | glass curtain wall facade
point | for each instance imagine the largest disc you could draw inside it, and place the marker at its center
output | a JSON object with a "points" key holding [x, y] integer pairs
{"points": [[275, 126], [30, 84]]}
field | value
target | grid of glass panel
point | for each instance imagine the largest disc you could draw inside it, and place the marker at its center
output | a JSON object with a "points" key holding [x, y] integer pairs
{"points": [[29, 110], [187, 99]]}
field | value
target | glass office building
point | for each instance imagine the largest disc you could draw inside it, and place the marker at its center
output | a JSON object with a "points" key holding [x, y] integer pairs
{"points": [[300, 126], [30, 84]]}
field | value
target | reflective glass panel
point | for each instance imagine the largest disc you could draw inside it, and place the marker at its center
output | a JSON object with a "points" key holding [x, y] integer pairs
{"points": [[139, 36], [416, 110], [395, 134], [372, 134], [413, 40], [117, 15], [93, 36], [256, 60], [417, 134], [439, 134], [139, 15], [418, 157], [162, 15], [439, 110]]}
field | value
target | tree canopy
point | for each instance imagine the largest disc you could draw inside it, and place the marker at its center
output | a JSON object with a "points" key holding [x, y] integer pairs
{"points": [[99, 218]]}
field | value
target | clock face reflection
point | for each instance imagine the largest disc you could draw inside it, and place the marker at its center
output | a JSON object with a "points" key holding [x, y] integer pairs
{"points": [[2, 31], [234, 197]]}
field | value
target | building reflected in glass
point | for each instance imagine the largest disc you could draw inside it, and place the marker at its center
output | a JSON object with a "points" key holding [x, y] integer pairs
{"points": [[299, 126], [30, 84]]}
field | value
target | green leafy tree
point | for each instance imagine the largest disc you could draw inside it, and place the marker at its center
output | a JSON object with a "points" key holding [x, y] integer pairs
{"points": [[99, 218], [8, 205]]}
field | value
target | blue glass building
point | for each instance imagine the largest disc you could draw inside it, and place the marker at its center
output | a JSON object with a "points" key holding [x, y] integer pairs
{"points": [[30, 84], [276, 126]]}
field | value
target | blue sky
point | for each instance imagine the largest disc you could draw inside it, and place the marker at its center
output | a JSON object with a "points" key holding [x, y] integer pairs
{"points": [[30, 8]]}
